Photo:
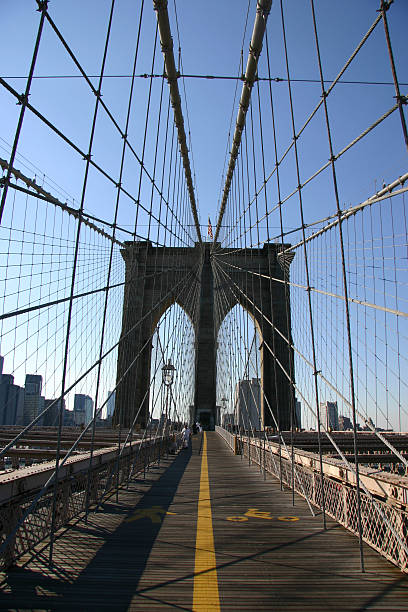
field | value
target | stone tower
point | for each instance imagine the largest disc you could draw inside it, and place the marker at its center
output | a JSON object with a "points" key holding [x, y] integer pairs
{"points": [[157, 277]]}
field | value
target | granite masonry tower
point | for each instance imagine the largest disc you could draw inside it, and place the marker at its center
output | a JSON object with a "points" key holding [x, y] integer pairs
{"points": [[157, 277]]}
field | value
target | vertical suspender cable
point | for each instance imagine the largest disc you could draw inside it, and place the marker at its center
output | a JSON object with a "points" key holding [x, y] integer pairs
{"points": [[160, 6], [73, 280], [23, 100], [305, 253], [263, 8], [400, 99], [118, 194], [345, 287]]}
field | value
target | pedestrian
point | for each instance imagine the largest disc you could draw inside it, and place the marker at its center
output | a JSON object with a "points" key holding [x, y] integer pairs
{"points": [[172, 445], [185, 436], [199, 428]]}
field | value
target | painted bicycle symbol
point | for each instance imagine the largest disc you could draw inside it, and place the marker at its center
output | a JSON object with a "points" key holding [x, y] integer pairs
{"points": [[256, 513]]}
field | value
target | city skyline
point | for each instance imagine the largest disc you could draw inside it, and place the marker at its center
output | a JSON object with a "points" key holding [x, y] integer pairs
{"points": [[22, 404]]}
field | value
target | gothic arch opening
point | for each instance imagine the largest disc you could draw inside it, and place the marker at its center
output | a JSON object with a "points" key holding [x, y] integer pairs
{"points": [[173, 342], [239, 370]]}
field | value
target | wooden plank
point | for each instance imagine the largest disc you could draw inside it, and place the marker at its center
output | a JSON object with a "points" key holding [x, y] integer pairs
{"points": [[133, 556], [205, 594], [271, 564]]}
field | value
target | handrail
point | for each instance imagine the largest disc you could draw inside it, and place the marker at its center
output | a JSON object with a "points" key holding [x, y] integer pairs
{"points": [[385, 504]]}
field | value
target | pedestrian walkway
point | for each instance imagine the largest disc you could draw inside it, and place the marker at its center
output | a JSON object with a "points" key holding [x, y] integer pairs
{"points": [[204, 531]]}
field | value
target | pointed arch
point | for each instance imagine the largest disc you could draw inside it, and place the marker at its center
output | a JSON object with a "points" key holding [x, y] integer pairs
{"points": [[173, 341]]}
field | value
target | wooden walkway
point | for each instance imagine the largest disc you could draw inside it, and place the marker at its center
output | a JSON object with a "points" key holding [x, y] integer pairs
{"points": [[140, 553]]}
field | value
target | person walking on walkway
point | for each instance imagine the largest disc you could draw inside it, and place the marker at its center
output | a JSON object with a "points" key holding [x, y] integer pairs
{"points": [[185, 436]]}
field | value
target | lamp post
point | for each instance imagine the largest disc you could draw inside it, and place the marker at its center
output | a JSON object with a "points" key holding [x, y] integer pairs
{"points": [[224, 405], [168, 371]]}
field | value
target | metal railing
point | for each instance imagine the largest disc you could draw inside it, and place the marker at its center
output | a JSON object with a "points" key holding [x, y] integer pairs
{"points": [[19, 491], [384, 523], [229, 438]]}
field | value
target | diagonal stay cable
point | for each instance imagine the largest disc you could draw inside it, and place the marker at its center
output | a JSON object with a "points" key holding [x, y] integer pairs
{"points": [[76, 148], [160, 6], [326, 165], [51, 479], [262, 11], [158, 304], [324, 379], [269, 406]]}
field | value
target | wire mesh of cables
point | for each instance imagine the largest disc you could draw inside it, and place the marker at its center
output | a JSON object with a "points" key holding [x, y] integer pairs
{"points": [[63, 322], [347, 279], [284, 228], [309, 267]]}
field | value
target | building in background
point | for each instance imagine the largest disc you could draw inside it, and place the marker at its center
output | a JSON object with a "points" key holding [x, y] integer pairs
{"points": [[110, 405], [83, 409], [298, 413], [33, 400], [345, 423], [227, 420], [329, 415], [11, 401], [247, 404], [51, 417], [69, 420]]}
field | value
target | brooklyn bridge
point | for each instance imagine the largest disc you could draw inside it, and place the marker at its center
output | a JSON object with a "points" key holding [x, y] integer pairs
{"points": [[204, 333]]}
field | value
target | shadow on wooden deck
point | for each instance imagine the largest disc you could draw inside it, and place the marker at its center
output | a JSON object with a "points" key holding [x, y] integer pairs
{"points": [[92, 561]]}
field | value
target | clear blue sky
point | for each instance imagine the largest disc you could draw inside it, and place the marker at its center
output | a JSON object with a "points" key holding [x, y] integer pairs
{"points": [[211, 35]]}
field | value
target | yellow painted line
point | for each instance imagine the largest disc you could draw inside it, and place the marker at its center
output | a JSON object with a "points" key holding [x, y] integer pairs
{"points": [[205, 595]]}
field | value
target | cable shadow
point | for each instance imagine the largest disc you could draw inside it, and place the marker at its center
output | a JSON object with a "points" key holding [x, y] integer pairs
{"points": [[257, 557], [235, 561], [200, 449], [387, 590], [105, 582]]}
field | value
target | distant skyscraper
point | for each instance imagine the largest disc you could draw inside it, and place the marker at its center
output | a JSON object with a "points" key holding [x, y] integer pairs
{"points": [[69, 418], [11, 401], [298, 412], [33, 400], [33, 384], [110, 405], [345, 423], [51, 417], [248, 404], [329, 415], [83, 409], [227, 419]]}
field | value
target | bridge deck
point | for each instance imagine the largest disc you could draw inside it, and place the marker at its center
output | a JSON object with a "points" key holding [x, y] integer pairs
{"points": [[129, 558]]}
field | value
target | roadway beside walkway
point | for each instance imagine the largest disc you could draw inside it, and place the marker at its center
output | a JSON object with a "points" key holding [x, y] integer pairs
{"points": [[204, 531]]}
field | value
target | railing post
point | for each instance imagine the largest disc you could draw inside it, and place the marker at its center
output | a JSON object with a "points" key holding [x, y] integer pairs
{"points": [[259, 453], [10, 519], [313, 491], [264, 459], [403, 530], [144, 460]]}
